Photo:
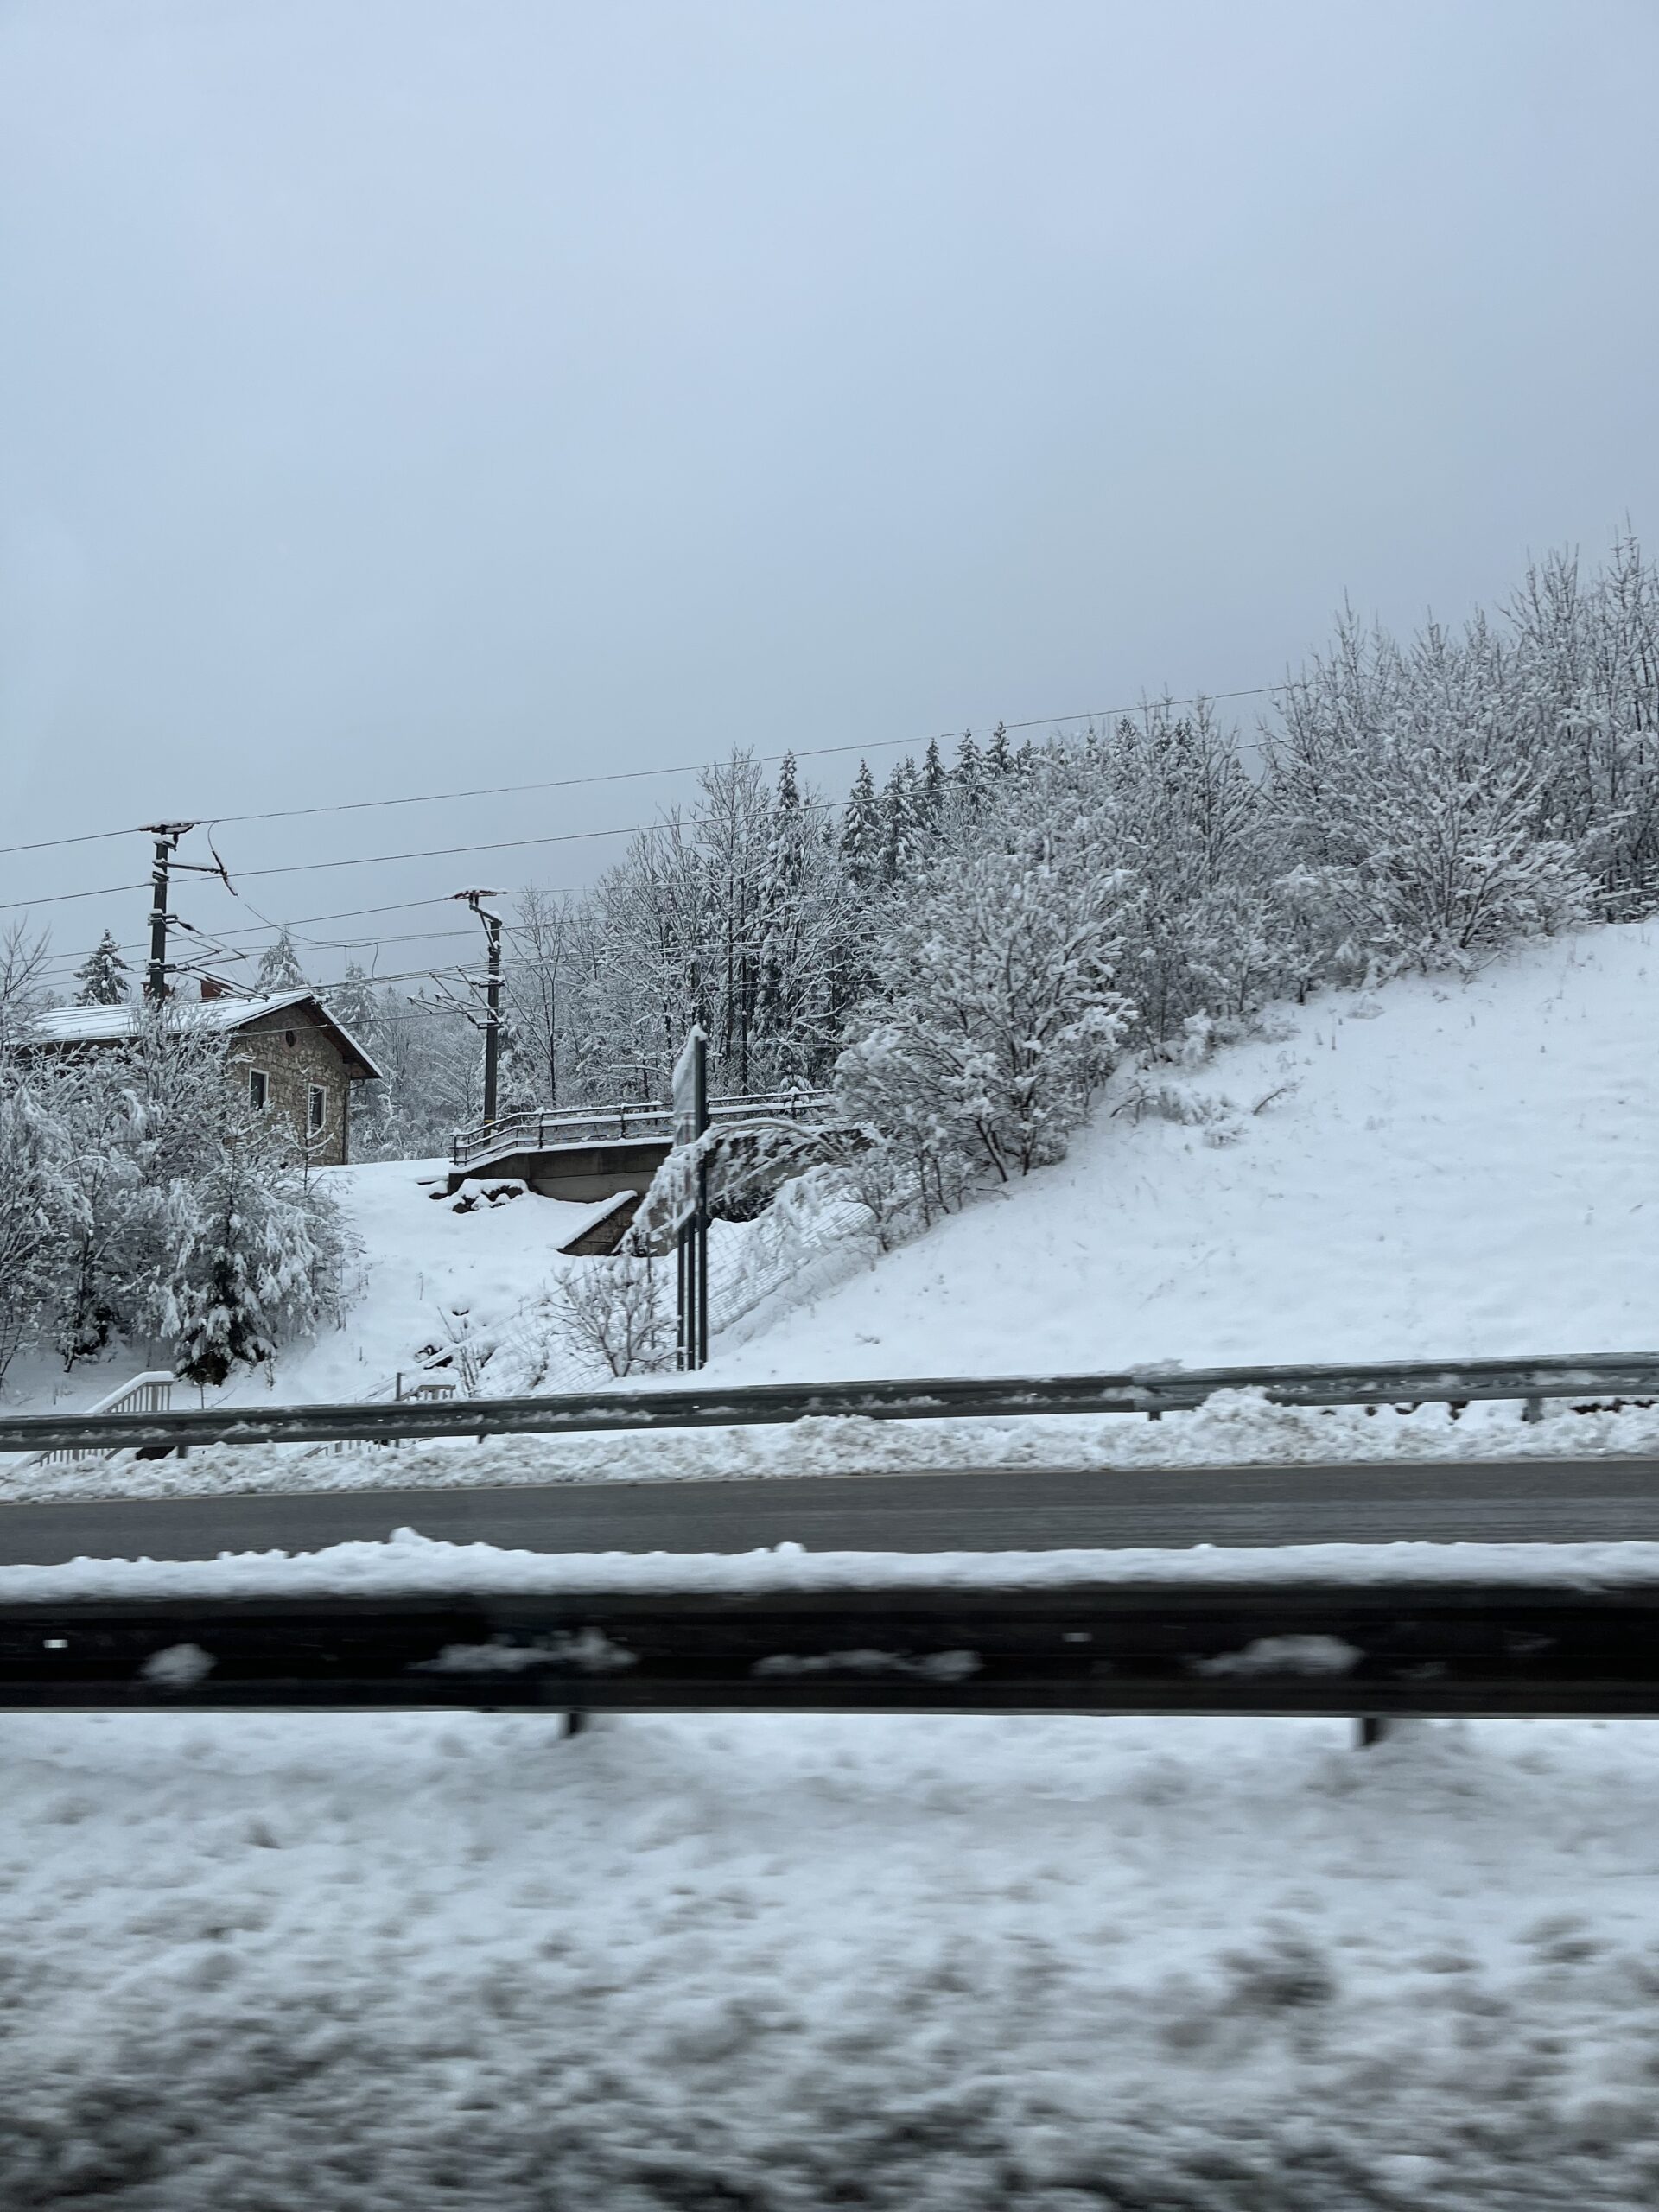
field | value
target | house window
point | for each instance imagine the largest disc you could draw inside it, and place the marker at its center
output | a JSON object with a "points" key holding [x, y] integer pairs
{"points": [[316, 1109], [258, 1087]]}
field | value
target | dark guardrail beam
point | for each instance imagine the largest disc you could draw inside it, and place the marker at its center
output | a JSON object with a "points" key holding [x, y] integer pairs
{"points": [[1518, 1649]]}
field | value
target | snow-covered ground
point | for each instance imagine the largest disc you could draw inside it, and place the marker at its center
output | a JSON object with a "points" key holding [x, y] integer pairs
{"points": [[1433, 1169], [1437, 1169], [1233, 1429], [930, 1964], [387, 1964], [425, 1275], [410, 1563]]}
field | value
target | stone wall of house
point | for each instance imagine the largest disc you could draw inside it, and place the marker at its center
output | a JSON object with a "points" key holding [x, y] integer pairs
{"points": [[294, 1052]]}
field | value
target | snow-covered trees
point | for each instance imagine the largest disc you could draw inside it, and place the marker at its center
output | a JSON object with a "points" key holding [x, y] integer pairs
{"points": [[249, 1255], [1414, 804], [994, 1011], [740, 914], [29, 1263], [140, 1202], [1409, 804], [22, 972], [279, 965], [104, 975]]}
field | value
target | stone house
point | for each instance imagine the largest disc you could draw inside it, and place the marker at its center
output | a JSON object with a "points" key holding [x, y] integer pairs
{"points": [[290, 1057]]}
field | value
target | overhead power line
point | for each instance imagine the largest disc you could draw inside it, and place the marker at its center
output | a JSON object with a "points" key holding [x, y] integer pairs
{"points": [[625, 776], [62, 898]]}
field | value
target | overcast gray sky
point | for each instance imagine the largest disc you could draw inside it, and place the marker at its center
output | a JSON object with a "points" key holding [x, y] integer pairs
{"points": [[398, 394]]}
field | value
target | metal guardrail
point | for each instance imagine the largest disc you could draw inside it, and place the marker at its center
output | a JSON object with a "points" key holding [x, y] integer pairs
{"points": [[1520, 1649], [1155, 1390], [536, 1131]]}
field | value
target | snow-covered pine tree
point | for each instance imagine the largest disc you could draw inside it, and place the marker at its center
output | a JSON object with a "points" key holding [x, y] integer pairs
{"points": [[812, 946], [967, 778], [250, 1251], [279, 965], [933, 785], [861, 831], [248, 1247], [788, 801], [999, 759], [902, 829], [103, 976]]}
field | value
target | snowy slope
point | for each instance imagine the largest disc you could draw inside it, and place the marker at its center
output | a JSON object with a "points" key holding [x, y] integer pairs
{"points": [[424, 1274], [1439, 1169], [430, 1275], [1447, 1168]]}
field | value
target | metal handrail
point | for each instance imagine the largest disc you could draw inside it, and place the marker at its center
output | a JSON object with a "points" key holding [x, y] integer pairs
{"points": [[1153, 1390], [149, 1393], [537, 1130]]}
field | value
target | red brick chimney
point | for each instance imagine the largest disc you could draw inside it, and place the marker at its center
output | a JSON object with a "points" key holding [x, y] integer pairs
{"points": [[213, 988]]}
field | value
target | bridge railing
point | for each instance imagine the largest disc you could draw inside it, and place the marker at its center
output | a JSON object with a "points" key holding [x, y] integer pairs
{"points": [[537, 1130], [1594, 1378]]}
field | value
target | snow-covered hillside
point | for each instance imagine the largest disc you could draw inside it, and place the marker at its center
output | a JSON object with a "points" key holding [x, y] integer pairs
{"points": [[1433, 1168], [1437, 1167]]}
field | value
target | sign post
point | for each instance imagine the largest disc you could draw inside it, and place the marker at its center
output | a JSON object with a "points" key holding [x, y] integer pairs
{"points": [[691, 1101]]}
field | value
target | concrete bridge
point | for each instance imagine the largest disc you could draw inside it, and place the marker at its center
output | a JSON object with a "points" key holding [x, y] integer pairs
{"points": [[588, 1153]]}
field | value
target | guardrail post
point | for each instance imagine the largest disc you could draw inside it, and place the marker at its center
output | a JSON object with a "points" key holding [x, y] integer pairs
{"points": [[1533, 1409], [1374, 1728]]}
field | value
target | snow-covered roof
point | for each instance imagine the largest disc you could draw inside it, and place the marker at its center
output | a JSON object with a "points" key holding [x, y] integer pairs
{"points": [[102, 1025]]}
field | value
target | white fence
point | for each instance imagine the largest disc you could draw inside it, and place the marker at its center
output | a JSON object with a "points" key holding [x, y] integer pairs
{"points": [[150, 1393]]}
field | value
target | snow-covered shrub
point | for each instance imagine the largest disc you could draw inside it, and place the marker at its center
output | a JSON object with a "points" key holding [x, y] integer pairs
{"points": [[886, 1185], [1414, 806], [995, 1014], [617, 1315]]}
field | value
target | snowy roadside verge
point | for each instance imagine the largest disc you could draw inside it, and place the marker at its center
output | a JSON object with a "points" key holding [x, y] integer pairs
{"points": [[1050, 1966], [1236, 1428], [410, 1565]]}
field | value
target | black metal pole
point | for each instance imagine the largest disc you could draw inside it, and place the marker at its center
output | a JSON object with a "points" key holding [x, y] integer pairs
{"points": [[700, 1233], [690, 1112], [155, 979], [493, 1020]]}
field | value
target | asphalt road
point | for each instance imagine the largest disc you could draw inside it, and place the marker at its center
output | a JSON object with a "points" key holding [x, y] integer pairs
{"points": [[985, 1510]]}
